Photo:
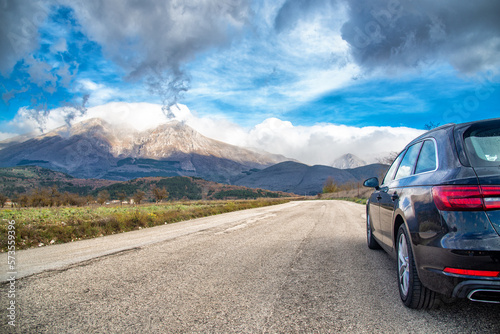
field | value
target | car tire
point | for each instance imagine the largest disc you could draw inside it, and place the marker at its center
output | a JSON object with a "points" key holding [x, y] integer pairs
{"points": [[413, 294], [370, 240]]}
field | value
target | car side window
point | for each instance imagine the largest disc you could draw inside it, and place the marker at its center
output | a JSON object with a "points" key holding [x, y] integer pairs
{"points": [[390, 173], [427, 158], [406, 167]]}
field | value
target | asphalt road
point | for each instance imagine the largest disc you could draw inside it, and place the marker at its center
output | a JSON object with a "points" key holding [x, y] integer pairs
{"points": [[297, 267]]}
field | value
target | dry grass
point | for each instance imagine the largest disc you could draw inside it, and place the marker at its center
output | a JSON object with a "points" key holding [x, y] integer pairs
{"points": [[354, 195], [42, 226]]}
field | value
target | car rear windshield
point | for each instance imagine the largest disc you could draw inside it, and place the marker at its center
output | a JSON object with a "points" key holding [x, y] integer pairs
{"points": [[482, 144]]}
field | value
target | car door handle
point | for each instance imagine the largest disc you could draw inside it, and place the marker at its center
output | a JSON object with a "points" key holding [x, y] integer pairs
{"points": [[394, 196]]}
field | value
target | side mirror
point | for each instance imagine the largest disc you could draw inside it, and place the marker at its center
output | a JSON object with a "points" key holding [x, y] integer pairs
{"points": [[372, 183]]}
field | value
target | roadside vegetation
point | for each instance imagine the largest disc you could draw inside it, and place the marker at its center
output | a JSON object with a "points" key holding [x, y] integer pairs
{"points": [[353, 192], [36, 227], [350, 199], [50, 207]]}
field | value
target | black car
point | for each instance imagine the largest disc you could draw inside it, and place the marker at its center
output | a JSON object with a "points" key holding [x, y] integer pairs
{"points": [[437, 212]]}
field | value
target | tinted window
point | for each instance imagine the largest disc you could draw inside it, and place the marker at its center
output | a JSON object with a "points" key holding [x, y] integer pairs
{"points": [[483, 146], [406, 166], [427, 158], [390, 173]]}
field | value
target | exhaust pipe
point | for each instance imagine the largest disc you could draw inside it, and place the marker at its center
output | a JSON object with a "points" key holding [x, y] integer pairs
{"points": [[485, 296]]}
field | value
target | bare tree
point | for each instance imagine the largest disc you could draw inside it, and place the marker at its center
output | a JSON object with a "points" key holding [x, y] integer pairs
{"points": [[121, 196], [388, 159], [139, 196], [23, 200], [89, 199], [330, 186], [102, 197], [431, 125], [3, 200], [160, 194]]}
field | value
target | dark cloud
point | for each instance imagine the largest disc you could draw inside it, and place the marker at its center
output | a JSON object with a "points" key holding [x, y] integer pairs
{"points": [[294, 10], [152, 40], [140, 34], [403, 33], [20, 42], [20, 21]]}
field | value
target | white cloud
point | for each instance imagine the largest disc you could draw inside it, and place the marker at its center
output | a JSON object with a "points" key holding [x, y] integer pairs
{"points": [[140, 116], [99, 94], [272, 71], [323, 143], [89, 85], [317, 144], [6, 135], [60, 46], [31, 121]]}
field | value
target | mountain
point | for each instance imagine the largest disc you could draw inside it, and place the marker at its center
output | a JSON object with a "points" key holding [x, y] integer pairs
{"points": [[302, 179], [348, 161], [97, 149]]}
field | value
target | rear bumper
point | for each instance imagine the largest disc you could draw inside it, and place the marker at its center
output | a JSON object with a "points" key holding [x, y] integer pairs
{"points": [[431, 262], [467, 241], [475, 288]]}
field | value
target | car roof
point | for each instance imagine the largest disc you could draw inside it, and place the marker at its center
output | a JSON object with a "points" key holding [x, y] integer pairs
{"points": [[427, 133], [451, 126]]}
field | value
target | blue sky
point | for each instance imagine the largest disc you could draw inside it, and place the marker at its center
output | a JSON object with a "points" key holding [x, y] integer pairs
{"points": [[358, 63]]}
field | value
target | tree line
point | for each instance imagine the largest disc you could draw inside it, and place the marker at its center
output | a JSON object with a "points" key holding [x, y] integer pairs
{"points": [[51, 197]]}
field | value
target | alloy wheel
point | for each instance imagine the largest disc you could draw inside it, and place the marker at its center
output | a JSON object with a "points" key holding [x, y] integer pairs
{"points": [[403, 265]]}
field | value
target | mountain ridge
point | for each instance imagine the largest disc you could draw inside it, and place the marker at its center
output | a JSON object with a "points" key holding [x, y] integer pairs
{"points": [[96, 149], [348, 161], [302, 179]]}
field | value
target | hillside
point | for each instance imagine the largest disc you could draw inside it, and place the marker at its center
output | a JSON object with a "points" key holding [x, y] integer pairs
{"points": [[181, 187], [302, 179], [26, 179]]}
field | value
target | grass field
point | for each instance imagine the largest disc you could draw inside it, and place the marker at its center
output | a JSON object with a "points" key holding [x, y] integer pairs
{"points": [[36, 227], [351, 199]]}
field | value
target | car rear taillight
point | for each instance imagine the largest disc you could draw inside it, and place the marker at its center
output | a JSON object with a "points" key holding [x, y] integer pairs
{"points": [[491, 197], [466, 198], [468, 272]]}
